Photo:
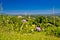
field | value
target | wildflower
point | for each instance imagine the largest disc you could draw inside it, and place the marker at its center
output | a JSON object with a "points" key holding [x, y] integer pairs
{"points": [[33, 18], [28, 16], [23, 20], [32, 30], [38, 28], [33, 26], [19, 16], [43, 29], [7, 20]]}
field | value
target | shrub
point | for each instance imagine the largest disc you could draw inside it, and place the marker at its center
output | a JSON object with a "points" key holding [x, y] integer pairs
{"points": [[50, 30], [57, 32]]}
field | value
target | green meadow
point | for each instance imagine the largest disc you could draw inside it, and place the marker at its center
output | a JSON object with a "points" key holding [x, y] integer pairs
{"points": [[14, 27]]}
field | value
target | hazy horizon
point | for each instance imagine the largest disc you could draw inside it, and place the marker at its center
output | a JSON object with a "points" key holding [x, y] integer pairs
{"points": [[30, 6]]}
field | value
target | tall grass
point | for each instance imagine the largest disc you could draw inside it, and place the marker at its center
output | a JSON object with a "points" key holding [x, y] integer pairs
{"points": [[24, 28]]}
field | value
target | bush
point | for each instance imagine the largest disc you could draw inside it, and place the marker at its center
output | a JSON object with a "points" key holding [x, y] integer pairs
{"points": [[57, 32], [14, 23], [50, 30]]}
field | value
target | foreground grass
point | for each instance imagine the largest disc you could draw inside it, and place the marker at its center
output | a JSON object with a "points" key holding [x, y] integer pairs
{"points": [[26, 36]]}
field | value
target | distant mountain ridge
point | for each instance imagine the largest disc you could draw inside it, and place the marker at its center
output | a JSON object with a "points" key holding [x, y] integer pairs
{"points": [[58, 14]]}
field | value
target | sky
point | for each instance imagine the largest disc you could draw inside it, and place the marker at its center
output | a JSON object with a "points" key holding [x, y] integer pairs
{"points": [[30, 6]]}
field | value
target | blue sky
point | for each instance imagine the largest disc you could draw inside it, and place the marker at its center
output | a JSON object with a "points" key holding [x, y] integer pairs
{"points": [[30, 6]]}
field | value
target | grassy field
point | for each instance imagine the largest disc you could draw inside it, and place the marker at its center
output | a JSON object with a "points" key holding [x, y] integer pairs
{"points": [[26, 36], [24, 28]]}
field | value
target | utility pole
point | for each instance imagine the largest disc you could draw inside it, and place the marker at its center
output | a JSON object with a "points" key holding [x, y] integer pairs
{"points": [[1, 8], [29, 16], [54, 15], [25, 13], [46, 21]]}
